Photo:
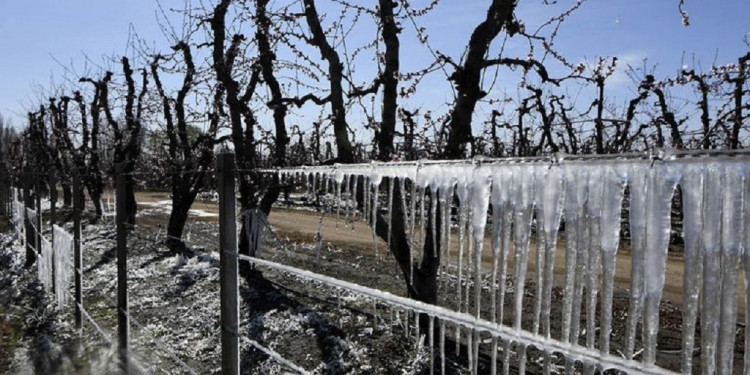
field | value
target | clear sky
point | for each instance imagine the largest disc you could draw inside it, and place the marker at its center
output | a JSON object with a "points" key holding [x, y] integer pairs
{"points": [[34, 35]]}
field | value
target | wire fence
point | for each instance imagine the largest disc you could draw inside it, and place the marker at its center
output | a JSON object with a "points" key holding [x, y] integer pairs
{"points": [[507, 196]]}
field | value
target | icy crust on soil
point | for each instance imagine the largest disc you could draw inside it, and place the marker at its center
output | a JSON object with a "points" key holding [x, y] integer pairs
{"points": [[174, 310]]}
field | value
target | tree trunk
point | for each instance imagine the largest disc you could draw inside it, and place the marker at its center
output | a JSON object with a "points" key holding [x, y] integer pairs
{"points": [[131, 207], [95, 192], [67, 194], [424, 286], [177, 218], [467, 77]]}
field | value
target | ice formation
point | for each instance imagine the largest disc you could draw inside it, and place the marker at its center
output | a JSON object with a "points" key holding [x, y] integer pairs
{"points": [[62, 247], [569, 212]]}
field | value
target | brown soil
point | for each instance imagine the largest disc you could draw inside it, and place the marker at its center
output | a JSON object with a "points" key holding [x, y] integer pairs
{"points": [[354, 260], [301, 226]]}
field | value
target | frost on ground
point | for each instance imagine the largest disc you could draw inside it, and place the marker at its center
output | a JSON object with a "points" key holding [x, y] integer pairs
{"points": [[174, 311], [34, 337]]}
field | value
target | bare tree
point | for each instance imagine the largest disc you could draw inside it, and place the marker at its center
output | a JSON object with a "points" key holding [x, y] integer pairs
{"points": [[189, 158]]}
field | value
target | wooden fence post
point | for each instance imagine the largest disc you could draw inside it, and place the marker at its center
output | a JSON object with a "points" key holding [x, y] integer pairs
{"points": [[123, 325], [28, 202], [38, 208], [77, 261], [52, 213], [230, 359]]}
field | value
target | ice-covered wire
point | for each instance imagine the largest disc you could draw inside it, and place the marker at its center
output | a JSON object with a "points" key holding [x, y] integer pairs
{"points": [[519, 336], [140, 326], [160, 344], [271, 353], [90, 319], [155, 240], [162, 173], [558, 158]]}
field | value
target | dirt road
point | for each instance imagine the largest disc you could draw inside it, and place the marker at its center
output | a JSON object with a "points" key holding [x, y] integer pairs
{"points": [[301, 226]]}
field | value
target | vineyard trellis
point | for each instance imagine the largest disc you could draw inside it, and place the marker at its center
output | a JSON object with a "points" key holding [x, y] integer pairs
{"points": [[512, 200]]}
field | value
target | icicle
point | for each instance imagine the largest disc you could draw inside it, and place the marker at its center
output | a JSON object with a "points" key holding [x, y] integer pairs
{"points": [[540, 266], [349, 195], [638, 209], [326, 179], [433, 218], [731, 244], [658, 228], [406, 325], [547, 368], [553, 197], [308, 185], [692, 209], [448, 223], [409, 235], [417, 336], [354, 200], [572, 216], [314, 177], [480, 202], [431, 335], [470, 349], [445, 194], [391, 183], [63, 250], [613, 190], [45, 264], [442, 346], [539, 190], [496, 233], [523, 205], [506, 356], [413, 212], [522, 359], [366, 186], [469, 263], [318, 246], [493, 363], [475, 349], [506, 178], [423, 209], [581, 248], [596, 184], [375, 188], [339, 186], [462, 213]]}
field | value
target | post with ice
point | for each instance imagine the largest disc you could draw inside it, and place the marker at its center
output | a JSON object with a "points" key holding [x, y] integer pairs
{"points": [[123, 326], [38, 207], [52, 214], [77, 248], [28, 202], [230, 359]]}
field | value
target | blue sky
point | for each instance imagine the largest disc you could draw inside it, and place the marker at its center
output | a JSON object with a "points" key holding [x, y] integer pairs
{"points": [[37, 33]]}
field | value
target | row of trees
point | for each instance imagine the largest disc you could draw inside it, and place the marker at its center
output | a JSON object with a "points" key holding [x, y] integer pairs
{"points": [[283, 83]]}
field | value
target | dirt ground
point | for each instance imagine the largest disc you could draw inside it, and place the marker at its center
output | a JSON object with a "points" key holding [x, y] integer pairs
{"points": [[331, 332], [302, 225], [351, 256]]}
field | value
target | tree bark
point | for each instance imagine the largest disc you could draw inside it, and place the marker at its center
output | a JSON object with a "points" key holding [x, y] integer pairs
{"points": [[389, 32], [335, 76], [467, 77]]}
